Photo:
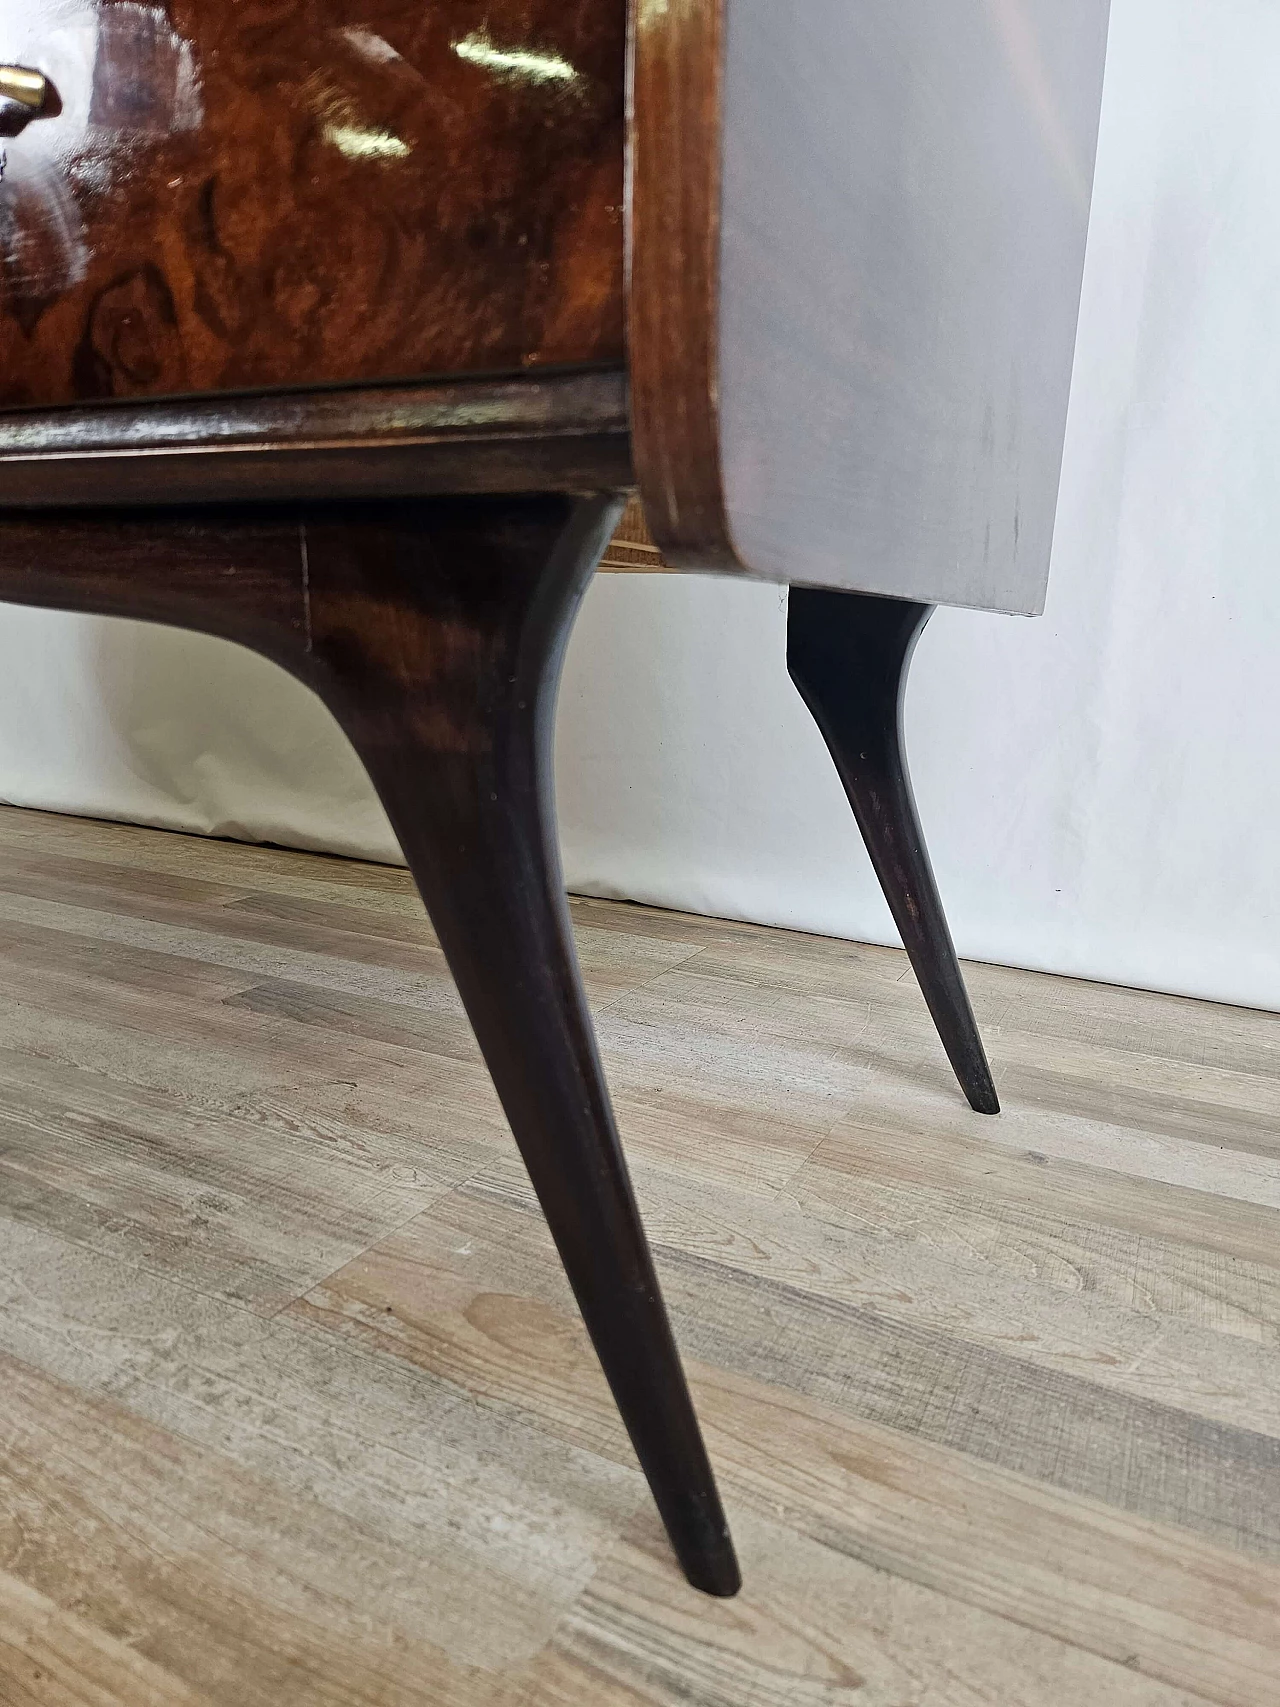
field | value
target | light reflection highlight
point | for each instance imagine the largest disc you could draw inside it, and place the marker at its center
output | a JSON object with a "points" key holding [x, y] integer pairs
{"points": [[344, 127], [479, 49], [357, 142]]}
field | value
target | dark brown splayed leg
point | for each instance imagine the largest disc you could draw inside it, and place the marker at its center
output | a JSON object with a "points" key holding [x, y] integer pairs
{"points": [[437, 636], [848, 655], [435, 630]]}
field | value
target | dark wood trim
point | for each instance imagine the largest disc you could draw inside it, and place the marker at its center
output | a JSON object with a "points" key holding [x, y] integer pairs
{"points": [[674, 123], [435, 630], [848, 654], [565, 431]]}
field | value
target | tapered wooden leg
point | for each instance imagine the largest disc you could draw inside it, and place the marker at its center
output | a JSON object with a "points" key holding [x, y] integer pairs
{"points": [[435, 630], [436, 633], [848, 655]]}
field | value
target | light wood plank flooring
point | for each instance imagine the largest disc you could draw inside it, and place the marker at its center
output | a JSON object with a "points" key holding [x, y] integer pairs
{"points": [[296, 1411]]}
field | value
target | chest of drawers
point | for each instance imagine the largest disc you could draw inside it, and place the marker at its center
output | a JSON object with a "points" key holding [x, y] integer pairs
{"points": [[344, 329]]}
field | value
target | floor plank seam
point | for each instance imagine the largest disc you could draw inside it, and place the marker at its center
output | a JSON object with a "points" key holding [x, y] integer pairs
{"points": [[995, 1407]]}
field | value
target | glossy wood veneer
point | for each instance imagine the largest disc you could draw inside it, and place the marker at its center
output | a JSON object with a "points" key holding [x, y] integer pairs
{"points": [[228, 194], [674, 120], [565, 431]]}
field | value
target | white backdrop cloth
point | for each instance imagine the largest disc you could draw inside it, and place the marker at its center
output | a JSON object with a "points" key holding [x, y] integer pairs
{"points": [[1101, 788]]}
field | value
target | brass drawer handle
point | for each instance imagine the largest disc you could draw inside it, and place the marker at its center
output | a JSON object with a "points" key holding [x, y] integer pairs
{"points": [[28, 88]]}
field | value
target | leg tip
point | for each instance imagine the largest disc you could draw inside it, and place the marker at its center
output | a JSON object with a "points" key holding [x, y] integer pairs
{"points": [[983, 1100], [715, 1573], [704, 1548], [974, 1073]]}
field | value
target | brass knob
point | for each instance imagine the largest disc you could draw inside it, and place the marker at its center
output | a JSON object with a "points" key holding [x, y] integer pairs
{"points": [[27, 88]]}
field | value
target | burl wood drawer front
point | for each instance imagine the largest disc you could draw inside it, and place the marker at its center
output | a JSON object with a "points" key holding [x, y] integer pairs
{"points": [[228, 194]]}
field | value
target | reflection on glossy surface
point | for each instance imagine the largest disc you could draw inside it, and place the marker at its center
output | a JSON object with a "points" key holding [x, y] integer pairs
{"points": [[343, 125], [239, 193], [362, 142], [479, 49]]}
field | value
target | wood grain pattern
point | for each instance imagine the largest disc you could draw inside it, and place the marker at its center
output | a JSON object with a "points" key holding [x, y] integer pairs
{"points": [[50, 1655], [553, 432], [238, 193], [435, 633], [297, 1410], [674, 278], [436, 636], [632, 549], [1017, 1406]]}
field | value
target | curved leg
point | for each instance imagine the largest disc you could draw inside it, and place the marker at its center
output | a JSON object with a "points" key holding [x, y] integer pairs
{"points": [[436, 634], [848, 655], [435, 629]]}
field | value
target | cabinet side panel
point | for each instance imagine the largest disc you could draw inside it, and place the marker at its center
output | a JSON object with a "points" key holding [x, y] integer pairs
{"points": [[905, 207]]}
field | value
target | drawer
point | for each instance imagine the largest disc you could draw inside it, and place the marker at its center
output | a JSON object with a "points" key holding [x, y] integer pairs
{"points": [[227, 195]]}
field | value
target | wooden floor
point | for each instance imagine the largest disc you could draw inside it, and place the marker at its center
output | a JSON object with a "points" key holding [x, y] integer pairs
{"points": [[295, 1407]]}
